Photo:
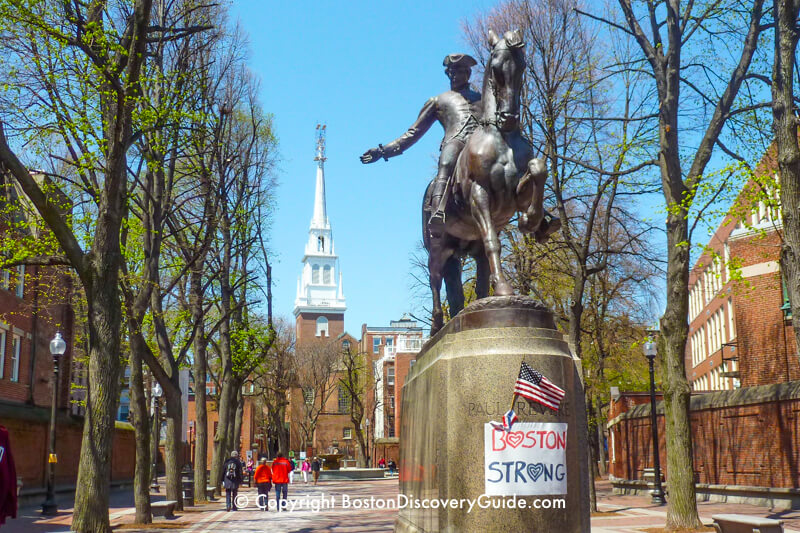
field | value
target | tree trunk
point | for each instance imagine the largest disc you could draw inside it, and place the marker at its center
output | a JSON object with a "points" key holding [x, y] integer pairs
{"points": [[141, 425], [235, 437], [601, 449], [785, 127], [682, 504], [200, 371], [102, 396], [226, 402], [174, 446]]}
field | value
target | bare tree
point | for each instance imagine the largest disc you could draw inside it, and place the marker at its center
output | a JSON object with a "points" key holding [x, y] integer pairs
{"points": [[697, 99], [317, 364], [355, 378]]}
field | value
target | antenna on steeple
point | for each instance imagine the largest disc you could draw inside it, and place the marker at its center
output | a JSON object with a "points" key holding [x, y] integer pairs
{"points": [[321, 143]]}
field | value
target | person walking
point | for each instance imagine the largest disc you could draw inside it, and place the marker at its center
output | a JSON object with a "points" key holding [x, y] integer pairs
{"points": [[263, 481], [392, 467], [280, 477], [231, 479], [305, 468], [316, 466], [291, 472]]}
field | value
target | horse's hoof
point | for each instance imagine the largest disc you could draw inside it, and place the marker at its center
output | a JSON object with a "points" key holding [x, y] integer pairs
{"points": [[503, 289]]}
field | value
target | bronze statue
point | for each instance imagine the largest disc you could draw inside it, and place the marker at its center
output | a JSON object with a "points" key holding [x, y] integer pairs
{"points": [[456, 111], [495, 176]]}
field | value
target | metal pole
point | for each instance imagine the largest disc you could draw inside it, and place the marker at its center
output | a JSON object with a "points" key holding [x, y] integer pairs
{"points": [[49, 506], [155, 437], [658, 494]]}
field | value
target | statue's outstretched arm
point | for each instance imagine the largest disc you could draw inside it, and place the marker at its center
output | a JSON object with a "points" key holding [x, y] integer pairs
{"points": [[426, 118]]}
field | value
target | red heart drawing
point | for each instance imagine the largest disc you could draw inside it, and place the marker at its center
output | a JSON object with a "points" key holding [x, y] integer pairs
{"points": [[515, 438]]}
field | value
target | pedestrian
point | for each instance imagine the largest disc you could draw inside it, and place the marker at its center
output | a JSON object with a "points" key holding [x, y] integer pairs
{"points": [[316, 466], [232, 477], [280, 477], [291, 472], [305, 468], [263, 480], [392, 467], [382, 463]]}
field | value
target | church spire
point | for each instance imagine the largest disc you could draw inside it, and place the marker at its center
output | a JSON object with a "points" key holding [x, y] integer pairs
{"points": [[320, 218], [319, 288]]}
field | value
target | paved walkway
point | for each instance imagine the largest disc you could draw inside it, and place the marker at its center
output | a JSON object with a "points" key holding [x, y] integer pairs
{"points": [[313, 512]]}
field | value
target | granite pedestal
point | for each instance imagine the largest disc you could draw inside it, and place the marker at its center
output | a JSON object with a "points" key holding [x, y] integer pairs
{"points": [[464, 377]]}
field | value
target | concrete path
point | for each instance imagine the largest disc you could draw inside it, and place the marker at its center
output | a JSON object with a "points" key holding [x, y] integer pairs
{"points": [[332, 507]]}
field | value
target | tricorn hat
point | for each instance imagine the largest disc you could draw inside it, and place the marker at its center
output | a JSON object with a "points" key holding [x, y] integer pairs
{"points": [[459, 60]]}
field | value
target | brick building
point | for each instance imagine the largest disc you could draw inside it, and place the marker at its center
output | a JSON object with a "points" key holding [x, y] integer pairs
{"points": [[393, 351], [35, 303], [740, 330]]}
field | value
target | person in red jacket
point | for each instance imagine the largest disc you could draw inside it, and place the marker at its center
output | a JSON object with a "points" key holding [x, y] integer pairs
{"points": [[263, 479], [280, 477], [8, 479]]}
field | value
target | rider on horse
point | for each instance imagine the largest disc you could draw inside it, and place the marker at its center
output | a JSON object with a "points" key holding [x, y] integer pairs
{"points": [[456, 111]]}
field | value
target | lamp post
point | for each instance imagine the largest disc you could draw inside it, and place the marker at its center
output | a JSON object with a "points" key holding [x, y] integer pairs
{"points": [[156, 435], [49, 506], [650, 352]]}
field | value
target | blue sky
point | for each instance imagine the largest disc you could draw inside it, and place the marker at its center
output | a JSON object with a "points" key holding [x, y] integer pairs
{"points": [[364, 69]]}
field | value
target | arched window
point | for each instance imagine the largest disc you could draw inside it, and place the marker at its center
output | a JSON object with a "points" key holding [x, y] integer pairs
{"points": [[326, 275], [322, 327], [315, 274], [320, 244]]}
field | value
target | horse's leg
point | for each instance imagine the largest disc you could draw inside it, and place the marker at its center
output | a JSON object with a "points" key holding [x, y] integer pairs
{"points": [[452, 280], [480, 208], [530, 196], [435, 277], [482, 275]]}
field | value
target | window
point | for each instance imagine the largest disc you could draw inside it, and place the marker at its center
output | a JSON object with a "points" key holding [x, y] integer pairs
{"points": [[345, 345], [326, 275], [322, 327], [344, 400], [347, 433], [390, 343], [376, 344], [315, 274], [16, 349], [320, 244], [2, 353], [308, 395], [20, 281], [411, 364], [390, 376]]}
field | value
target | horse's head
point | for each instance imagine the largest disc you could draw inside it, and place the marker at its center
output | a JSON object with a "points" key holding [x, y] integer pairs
{"points": [[505, 69]]}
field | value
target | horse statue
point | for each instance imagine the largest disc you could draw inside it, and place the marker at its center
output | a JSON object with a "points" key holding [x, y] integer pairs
{"points": [[495, 177]]}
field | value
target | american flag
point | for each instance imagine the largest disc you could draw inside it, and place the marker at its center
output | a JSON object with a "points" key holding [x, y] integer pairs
{"points": [[531, 384], [508, 420]]}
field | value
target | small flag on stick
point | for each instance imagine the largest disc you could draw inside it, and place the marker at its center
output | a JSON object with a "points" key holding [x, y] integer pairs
{"points": [[508, 420], [534, 386]]}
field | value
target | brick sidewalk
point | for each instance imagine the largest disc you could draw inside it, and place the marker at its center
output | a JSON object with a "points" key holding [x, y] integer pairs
{"points": [[635, 513], [630, 514]]}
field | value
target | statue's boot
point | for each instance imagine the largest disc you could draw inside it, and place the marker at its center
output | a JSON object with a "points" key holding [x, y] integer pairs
{"points": [[437, 221]]}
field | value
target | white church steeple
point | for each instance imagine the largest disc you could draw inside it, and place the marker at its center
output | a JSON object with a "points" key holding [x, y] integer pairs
{"points": [[319, 288]]}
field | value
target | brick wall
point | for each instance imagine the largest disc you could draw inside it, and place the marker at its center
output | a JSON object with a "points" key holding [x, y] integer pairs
{"points": [[306, 326], [730, 444], [29, 433]]}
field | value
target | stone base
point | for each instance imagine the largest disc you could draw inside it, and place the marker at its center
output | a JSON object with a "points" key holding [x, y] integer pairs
{"points": [[463, 378]]}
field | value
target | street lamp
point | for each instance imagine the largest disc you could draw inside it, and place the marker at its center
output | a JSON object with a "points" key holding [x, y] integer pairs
{"points": [[156, 435], [650, 351], [49, 506]]}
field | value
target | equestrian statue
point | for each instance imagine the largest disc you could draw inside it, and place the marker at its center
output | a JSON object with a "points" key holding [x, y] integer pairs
{"points": [[487, 173]]}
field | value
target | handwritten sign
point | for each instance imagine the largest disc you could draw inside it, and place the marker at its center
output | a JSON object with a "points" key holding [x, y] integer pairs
{"points": [[529, 460]]}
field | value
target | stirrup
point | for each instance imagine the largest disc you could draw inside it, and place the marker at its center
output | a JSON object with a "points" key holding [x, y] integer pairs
{"points": [[436, 224]]}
